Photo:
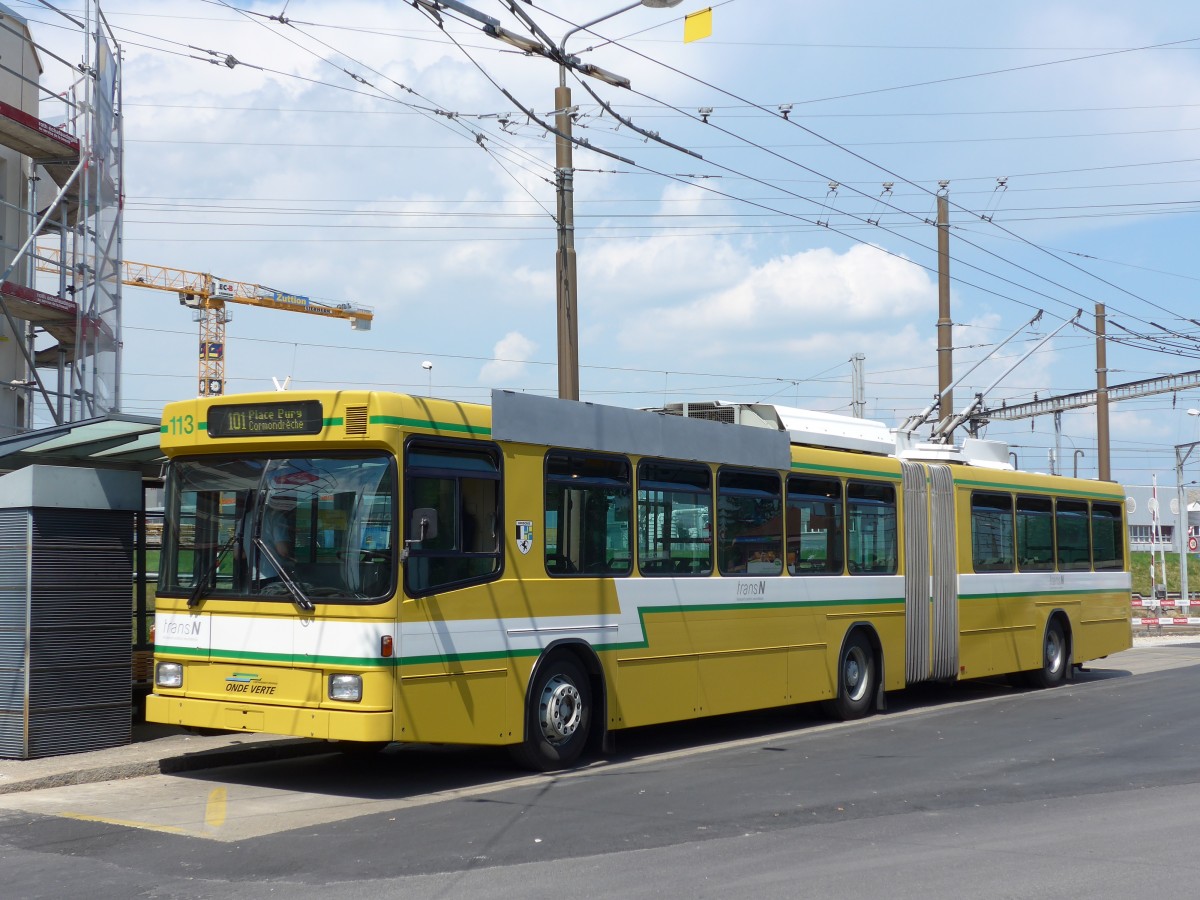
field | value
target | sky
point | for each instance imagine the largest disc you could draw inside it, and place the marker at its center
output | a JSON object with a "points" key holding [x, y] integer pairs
{"points": [[361, 152]]}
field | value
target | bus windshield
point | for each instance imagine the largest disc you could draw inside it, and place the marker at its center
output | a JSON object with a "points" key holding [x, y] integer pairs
{"points": [[308, 528]]}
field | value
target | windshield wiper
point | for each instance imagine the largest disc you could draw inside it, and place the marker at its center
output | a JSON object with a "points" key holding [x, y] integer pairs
{"points": [[202, 586], [294, 589]]}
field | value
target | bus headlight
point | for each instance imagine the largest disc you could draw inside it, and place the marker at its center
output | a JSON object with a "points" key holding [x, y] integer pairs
{"points": [[168, 675], [347, 688]]}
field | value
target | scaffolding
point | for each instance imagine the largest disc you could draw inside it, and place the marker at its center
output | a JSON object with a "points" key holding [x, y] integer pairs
{"points": [[67, 140]]}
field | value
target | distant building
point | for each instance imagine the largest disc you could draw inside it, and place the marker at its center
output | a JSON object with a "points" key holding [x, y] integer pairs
{"points": [[60, 166], [18, 89], [1140, 517]]}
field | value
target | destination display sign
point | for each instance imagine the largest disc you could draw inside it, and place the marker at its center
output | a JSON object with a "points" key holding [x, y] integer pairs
{"points": [[266, 419]]}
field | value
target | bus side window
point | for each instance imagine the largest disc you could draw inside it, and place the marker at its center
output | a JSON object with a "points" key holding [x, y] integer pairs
{"points": [[1035, 534], [588, 512], [815, 540], [992, 532], [674, 518], [1108, 537], [749, 522], [1072, 536], [461, 481], [871, 528]]}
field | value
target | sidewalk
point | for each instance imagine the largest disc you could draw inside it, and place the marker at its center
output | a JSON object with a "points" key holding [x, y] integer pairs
{"points": [[155, 749]]}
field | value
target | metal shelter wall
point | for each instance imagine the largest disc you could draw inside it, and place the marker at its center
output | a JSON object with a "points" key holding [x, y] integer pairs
{"points": [[66, 542]]}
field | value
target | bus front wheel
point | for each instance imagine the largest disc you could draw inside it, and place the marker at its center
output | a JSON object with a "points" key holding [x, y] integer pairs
{"points": [[558, 716], [857, 677]]}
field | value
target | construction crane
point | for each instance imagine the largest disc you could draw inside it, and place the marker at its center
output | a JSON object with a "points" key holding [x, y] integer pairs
{"points": [[207, 296]]}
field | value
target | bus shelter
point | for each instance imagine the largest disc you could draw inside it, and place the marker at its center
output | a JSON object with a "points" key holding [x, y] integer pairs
{"points": [[75, 607]]}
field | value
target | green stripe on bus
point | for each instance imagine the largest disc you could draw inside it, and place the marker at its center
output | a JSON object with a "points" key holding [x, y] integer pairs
{"points": [[874, 604], [481, 656], [1018, 595], [1031, 489], [325, 423], [251, 656], [644, 644], [240, 656], [846, 470], [430, 423]]}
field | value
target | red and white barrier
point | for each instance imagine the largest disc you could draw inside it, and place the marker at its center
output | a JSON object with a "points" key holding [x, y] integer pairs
{"points": [[1165, 620]]}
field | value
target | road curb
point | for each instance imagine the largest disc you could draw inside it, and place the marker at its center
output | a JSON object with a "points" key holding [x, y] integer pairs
{"points": [[217, 757]]}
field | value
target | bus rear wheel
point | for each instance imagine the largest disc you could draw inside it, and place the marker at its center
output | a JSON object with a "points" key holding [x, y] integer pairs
{"points": [[857, 680], [1054, 658], [558, 716]]}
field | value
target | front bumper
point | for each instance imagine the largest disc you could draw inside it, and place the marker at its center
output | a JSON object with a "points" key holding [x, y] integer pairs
{"points": [[326, 724]]}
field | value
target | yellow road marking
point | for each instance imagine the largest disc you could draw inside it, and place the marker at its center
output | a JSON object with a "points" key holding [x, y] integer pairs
{"points": [[215, 809]]}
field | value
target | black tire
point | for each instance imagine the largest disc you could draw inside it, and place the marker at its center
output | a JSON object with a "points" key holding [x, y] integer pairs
{"points": [[858, 679], [1054, 658], [558, 716]]}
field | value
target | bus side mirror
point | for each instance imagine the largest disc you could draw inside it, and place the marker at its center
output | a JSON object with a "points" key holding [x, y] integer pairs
{"points": [[424, 524]]}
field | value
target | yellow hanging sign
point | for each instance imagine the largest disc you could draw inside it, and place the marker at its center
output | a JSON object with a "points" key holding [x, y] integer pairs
{"points": [[697, 25]]}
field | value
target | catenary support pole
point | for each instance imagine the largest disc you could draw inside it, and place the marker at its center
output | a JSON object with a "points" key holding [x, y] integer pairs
{"points": [[945, 325], [1102, 455]]}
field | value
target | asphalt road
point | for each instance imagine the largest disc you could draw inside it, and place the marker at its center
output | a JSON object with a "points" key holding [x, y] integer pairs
{"points": [[975, 790]]}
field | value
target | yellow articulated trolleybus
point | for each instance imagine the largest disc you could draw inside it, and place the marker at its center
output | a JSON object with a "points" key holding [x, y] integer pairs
{"points": [[368, 567]]}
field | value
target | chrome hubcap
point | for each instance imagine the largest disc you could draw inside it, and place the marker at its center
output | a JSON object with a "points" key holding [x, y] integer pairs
{"points": [[1054, 651], [854, 674], [561, 709]]}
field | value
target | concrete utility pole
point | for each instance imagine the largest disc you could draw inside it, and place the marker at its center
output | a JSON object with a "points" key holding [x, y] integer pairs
{"points": [[1104, 472], [564, 184], [945, 325], [564, 261], [541, 44]]}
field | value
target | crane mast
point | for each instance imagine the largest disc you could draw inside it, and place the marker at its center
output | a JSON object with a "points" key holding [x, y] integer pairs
{"points": [[207, 296]]}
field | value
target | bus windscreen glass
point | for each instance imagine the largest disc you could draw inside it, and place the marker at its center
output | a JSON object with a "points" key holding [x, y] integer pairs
{"points": [[243, 526]]}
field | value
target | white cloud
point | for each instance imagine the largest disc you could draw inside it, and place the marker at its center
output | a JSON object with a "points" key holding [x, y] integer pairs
{"points": [[512, 352], [619, 272], [1136, 424], [794, 295]]}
